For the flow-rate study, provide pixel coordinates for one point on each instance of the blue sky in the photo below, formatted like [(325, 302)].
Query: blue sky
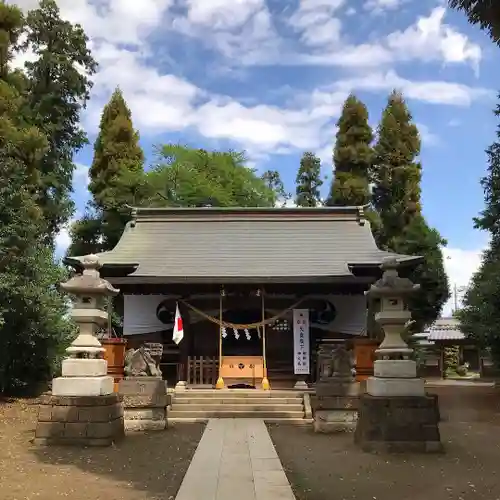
[(270, 77)]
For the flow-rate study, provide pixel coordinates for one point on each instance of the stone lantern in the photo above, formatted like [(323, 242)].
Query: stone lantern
[(395, 414), (83, 409), (395, 373), (84, 372)]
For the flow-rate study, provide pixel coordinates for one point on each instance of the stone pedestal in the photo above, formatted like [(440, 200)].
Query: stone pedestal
[(395, 414), (398, 424), (336, 406), (79, 420), (145, 403), (82, 409)]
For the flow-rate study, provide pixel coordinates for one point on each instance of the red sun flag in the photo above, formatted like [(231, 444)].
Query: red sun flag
[(178, 328)]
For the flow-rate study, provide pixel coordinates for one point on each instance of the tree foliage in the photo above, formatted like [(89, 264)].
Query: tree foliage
[(33, 324), (396, 199), (480, 315), (352, 156), (273, 181), (58, 87), (486, 13), (190, 177), (115, 174), (308, 181)]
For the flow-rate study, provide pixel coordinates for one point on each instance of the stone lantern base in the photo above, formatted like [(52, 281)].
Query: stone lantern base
[(398, 424), (80, 420)]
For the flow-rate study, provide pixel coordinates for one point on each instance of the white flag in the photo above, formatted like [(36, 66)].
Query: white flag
[(178, 328)]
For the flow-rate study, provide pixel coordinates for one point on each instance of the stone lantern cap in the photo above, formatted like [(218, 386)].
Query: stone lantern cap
[(391, 284), (90, 281)]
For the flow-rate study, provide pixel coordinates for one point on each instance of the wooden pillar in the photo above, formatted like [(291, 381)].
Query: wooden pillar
[(265, 381), (220, 381)]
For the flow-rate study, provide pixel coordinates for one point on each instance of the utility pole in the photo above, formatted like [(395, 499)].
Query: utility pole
[(456, 291)]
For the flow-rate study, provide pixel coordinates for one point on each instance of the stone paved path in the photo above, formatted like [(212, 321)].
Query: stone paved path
[(235, 460)]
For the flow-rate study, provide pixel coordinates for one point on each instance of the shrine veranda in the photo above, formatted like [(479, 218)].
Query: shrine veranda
[(259, 289)]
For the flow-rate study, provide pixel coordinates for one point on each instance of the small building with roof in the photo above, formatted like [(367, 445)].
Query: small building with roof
[(238, 275), (445, 333)]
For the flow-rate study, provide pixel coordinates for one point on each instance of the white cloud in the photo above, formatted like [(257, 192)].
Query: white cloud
[(427, 137), (378, 6), (315, 20), (433, 92), (81, 176), (430, 39), (460, 265), (222, 14)]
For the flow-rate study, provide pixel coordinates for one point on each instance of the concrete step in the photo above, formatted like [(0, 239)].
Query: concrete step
[(213, 406), (237, 393), (283, 421), (176, 414), (236, 401)]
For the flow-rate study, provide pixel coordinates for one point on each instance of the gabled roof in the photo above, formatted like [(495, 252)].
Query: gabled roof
[(442, 329), (245, 244)]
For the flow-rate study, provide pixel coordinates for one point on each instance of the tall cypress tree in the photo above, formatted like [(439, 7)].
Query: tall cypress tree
[(480, 315), (33, 323), (396, 198), (58, 88), (116, 167), (352, 156), (308, 181), (396, 171)]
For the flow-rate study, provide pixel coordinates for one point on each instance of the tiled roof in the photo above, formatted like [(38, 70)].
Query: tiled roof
[(445, 334), (442, 329), (199, 244)]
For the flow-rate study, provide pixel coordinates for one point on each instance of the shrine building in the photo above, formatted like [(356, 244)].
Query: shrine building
[(259, 290)]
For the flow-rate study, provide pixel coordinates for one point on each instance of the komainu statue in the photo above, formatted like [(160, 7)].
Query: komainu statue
[(145, 361)]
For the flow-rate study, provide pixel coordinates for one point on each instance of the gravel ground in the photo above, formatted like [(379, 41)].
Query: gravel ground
[(330, 467), (143, 466)]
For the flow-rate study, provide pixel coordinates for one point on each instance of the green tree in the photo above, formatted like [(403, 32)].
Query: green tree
[(273, 181), (308, 181), (486, 13), (193, 177), (480, 314), (33, 324), (396, 199), (352, 156), (57, 89), (115, 175), (396, 171)]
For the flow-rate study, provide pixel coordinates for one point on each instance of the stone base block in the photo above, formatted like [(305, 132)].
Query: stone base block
[(335, 387), (398, 424), (330, 421), (84, 367), (395, 368), (301, 385), (151, 386), (145, 425), (82, 386), (79, 420), (387, 387), (145, 401)]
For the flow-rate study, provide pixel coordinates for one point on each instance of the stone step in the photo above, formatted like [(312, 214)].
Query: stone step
[(175, 414), (237, 393), (237, 407), (283, 421), (235, 401)]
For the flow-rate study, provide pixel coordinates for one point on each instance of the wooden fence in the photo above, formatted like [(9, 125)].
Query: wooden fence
[(202, 370)]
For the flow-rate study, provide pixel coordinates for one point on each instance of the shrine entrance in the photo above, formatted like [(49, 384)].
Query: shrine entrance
[(242, 361)]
